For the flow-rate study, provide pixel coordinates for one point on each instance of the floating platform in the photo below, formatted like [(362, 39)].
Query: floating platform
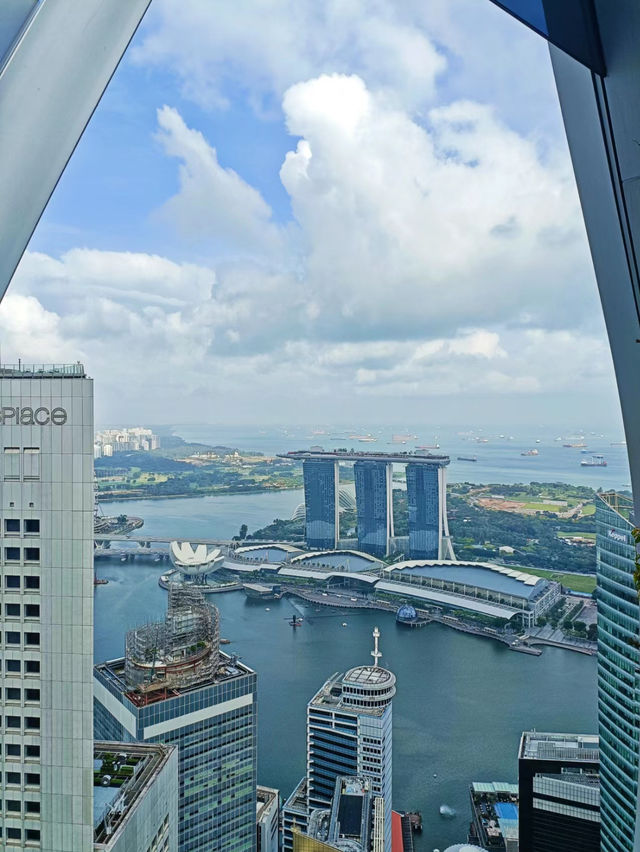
[(258, 591)]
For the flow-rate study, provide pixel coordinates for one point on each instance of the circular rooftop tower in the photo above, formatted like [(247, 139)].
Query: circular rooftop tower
[(368, 687)]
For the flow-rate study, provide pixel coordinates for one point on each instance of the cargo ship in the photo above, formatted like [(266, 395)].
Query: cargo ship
[(594, 461), (468, 458), (574, 445)]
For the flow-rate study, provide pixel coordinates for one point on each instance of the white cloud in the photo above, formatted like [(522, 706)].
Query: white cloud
[(213, 204), (263, 46), (424, 230), (434, 249)]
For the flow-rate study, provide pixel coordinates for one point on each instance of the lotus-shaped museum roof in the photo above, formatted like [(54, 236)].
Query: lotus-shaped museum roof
[(195, 560)]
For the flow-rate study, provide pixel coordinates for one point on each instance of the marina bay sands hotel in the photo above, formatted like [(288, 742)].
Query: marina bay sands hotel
[(373, 473)]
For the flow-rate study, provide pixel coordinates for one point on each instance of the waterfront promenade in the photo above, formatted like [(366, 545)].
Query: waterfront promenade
[(359, 602)]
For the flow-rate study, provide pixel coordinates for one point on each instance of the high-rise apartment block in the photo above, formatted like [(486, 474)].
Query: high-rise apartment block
[(136, 438), (46, 446), (559, 793), (373, 474), (349, 732), (175, 686), (618, 665)]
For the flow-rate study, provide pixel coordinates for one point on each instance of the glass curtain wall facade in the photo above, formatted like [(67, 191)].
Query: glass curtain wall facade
[(321, 503), (214, 727), (618, 667), (423, 500), (372, 504)]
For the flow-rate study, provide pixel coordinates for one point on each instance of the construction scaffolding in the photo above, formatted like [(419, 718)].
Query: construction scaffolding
[(178, 652)]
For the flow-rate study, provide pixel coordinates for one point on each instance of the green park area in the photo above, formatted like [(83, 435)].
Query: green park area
[(576, 582), (179, 469)]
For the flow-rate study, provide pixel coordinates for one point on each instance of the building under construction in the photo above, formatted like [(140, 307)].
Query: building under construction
[(169, 655), (175, 686)]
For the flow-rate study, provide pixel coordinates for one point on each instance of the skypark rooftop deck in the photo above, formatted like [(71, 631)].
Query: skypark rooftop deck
[(361, 455)]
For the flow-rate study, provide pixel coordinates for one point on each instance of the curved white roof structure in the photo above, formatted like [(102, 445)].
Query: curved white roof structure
[(449, 599), (306, 574), (314, 555), (286, 548), (195, 561)]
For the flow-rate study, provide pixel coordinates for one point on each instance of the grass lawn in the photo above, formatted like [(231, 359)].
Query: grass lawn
[(589, 509), (577, 582), (579, 533), (545, 507)]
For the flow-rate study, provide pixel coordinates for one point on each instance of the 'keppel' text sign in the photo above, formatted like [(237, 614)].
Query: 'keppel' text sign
[(10, 416), (616, 536)]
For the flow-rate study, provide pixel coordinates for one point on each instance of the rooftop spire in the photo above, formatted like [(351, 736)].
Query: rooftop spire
[(376, 654)]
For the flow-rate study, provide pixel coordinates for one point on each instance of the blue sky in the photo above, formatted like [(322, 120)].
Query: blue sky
[(286, 212)]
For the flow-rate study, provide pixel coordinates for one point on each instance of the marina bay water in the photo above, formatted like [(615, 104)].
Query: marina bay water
[(462, 701)]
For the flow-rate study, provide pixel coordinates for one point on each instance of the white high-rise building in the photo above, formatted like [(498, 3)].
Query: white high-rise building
[(349, 732), (46, 446)]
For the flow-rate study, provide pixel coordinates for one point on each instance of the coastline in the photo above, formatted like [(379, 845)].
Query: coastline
[(213, 493)]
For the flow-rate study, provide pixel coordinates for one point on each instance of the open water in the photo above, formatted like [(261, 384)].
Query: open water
[(461, 705), (499, 459)]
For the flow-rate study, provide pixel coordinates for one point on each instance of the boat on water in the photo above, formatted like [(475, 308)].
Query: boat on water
[(427, 446), (618, 444), (402, 439), (468, 458), (594, 461), (530, 453), (573, 446)]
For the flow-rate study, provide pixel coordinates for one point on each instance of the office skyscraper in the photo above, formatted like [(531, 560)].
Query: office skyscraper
[(618, 663), (175, 686), (321, 482), (374, 493), (349, 732), (46, 430), (559, 793)]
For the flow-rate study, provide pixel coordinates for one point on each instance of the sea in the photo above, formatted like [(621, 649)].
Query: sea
[(499, 455), (462, 702)]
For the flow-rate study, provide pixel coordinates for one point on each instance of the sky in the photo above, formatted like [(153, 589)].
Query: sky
[(355, 211)]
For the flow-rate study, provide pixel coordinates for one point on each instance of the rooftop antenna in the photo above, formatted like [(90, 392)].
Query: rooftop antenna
[(376, 654)]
